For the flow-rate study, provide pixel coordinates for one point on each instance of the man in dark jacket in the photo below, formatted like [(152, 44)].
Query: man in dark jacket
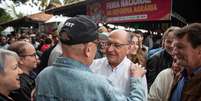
[(28, 61)]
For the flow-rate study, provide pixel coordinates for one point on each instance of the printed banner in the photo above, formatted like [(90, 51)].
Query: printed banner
[(130, 10)]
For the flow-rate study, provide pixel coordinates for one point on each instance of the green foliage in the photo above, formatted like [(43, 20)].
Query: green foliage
[(55, 1), (44, 3), (70, 1), (4, 17)]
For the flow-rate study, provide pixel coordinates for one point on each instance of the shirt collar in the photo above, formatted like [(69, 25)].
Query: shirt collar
[(196, 70), (71, 63), (119, 66)]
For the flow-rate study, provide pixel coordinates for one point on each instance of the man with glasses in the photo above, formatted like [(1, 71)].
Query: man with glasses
[(28, 61), (70, 79), (116, 66)]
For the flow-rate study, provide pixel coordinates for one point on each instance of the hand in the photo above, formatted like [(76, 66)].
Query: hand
[(136, 70)]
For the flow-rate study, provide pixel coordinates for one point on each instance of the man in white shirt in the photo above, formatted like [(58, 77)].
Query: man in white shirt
[(116, 65)]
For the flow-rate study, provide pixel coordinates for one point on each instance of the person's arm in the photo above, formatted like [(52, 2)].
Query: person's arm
[(138, 91), (155, 90), (161, 87)]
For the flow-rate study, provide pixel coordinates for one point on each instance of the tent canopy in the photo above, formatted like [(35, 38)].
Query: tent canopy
[(57, 18)]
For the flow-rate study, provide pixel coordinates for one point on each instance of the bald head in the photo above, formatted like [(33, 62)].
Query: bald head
[(118, 47), (121, 35), (20, 47)]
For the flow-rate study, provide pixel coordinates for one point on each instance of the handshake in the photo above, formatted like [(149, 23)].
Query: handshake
[(136, 70)]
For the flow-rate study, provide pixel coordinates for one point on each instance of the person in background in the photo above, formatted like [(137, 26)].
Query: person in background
[(3, 42), (27, 62), (103, 37), (70, 79), (141, 40), (136, 54), (51, 54), (102, 29), (161, 88), (163, 59), (116, 66), (9, 74), (47, 44), (187, 48), (101, 49)]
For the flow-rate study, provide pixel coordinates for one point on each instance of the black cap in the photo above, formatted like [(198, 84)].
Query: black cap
[(77, 30)]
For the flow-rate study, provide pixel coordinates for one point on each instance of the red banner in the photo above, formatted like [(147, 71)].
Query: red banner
[(130, 10)]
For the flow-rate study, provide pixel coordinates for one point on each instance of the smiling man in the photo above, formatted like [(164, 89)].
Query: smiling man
[(187, 48), (116, 66)]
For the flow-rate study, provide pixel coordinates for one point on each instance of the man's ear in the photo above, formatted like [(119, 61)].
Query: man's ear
[(20, 62), (87, 49), (199, 50)]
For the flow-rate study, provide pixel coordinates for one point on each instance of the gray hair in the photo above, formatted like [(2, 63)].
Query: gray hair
[(166, 33), (3, 55), (170, 29), (19, 47)]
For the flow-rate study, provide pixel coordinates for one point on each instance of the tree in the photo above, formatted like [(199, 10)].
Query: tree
[(70, 1), (4, 17), (11, 8)]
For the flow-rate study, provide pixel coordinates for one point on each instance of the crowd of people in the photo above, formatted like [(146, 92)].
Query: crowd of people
[(85, 62)]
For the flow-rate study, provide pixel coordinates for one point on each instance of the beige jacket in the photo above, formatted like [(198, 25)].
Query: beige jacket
[(161, 88)]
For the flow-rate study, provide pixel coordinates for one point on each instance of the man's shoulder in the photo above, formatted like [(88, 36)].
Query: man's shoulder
[(166, 73), (46, 71), (156, 55), (98, 62)]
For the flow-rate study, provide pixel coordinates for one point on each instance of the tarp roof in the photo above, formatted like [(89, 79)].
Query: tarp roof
[(30, 20)]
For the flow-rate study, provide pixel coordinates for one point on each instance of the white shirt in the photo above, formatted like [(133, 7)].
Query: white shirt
[(119, 76), (55, 53)]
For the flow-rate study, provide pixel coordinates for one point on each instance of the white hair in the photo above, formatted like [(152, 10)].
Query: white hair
[(3, 54)]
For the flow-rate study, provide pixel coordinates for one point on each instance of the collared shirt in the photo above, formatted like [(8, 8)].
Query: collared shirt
[(70, 80), (119, 76), (196, 70), (176, 96), (177, 93)]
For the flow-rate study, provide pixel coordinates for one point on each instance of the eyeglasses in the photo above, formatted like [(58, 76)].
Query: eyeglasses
[(31, 55), (116, 45)]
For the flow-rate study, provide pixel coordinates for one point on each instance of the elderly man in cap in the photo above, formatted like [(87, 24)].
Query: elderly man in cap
[(70, 79)]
